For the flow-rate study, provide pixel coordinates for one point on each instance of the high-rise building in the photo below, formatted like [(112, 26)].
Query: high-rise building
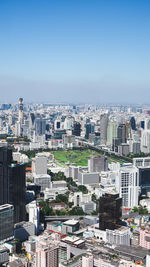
[(103, 128), (111, 132), (5, 161), (47, 255), (40, 126), (87, 130), (121, 133), (16, 174), (76, 129), (110, 211), (133, 123), (88, 260), (6, 223), (34, 215), (98, 164), (39, 164), (127, 184), (20, 109)]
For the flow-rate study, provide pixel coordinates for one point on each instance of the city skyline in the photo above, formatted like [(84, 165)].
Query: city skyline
[(69, 51)]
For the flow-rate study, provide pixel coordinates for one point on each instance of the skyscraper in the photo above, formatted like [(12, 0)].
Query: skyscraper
[(76, 129), (12, 184), (5, 161), (103, 128), (121, 133), (133, 123), (127, 185), (20, 109), (110, 211), (16, 174), (6, 223), (40, 126)]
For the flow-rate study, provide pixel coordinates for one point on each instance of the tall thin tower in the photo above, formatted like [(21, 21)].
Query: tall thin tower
[(20, 109)]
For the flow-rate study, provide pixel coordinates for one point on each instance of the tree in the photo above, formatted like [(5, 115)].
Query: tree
[(83, 189), (94, 199), (135, 209), (76, 211)]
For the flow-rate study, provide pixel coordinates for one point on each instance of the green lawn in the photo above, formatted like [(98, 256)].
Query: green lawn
[(77, 157)]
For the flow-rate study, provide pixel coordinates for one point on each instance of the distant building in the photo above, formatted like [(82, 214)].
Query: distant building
[(103, 128), (39, 164), (40, 126), (123, 149), (76, 129), (85, 177), (43, 180), (97, 164)]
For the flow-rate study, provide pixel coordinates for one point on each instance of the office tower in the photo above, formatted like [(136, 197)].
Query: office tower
[(39, 164), (40, 126), (20, 118), (16, 176), (34, 214), (98, 164), (111, 132), (6, 222), (5, 161), (87, 130), (133, 123), (142, 124), (57, 125), (103, 128), (127, 184), (144, 180), (145, 141), (110, 211), (128, 130), (121, 133), (76, 129), (31, 120), (68, 123), (47, 255)]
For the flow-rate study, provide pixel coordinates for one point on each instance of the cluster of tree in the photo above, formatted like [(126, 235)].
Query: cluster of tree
[(140, 155), (70, 183), (141, 210), (46, 210)]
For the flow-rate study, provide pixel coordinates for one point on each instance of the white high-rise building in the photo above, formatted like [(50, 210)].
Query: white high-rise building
[(145, 141), (127, 185), (34, 215), (111, 132), (39, 164), (87, 260)]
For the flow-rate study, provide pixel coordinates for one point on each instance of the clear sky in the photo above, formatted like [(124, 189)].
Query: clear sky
[(75, 51)]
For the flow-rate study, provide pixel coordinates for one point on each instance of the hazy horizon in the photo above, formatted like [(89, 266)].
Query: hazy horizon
[(75, 51)]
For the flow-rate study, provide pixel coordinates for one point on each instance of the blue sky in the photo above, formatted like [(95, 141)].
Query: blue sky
[(94, 51)]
